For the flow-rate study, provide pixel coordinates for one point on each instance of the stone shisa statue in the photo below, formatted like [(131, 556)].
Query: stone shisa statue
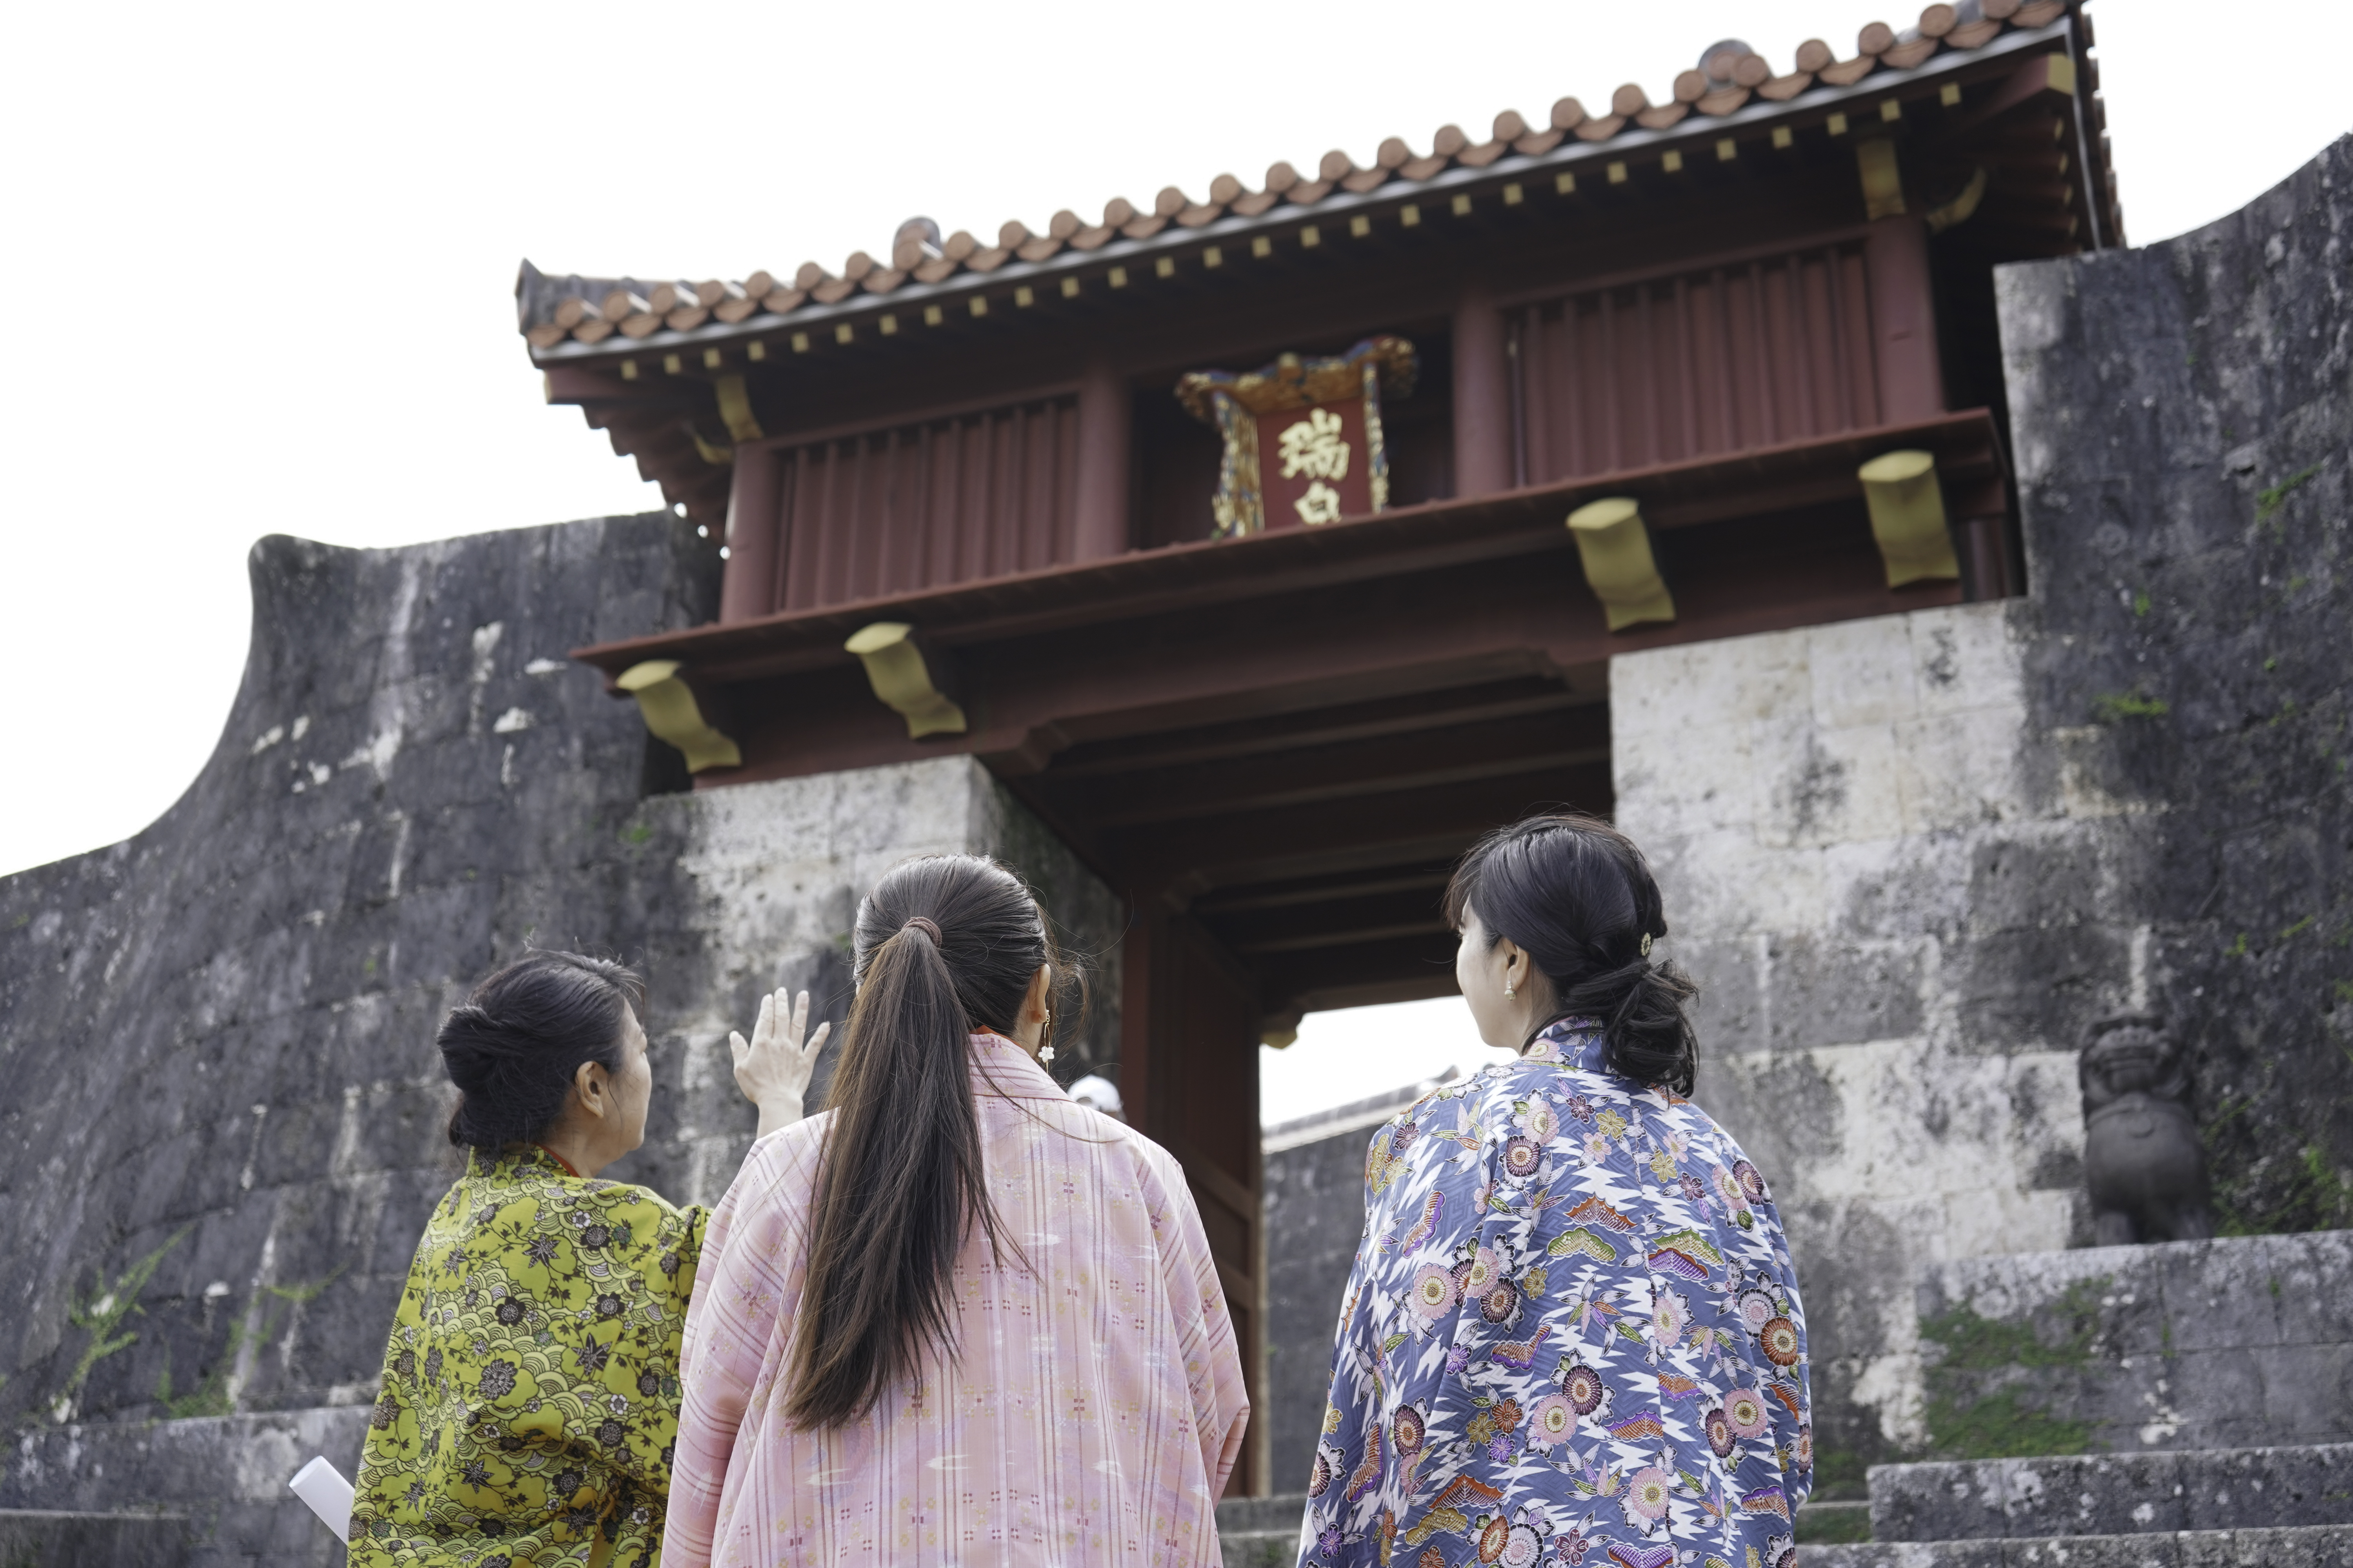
[(2142, 1158)]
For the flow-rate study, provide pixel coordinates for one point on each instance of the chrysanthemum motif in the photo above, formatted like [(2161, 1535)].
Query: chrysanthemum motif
[(1541, 1120), (1728, 1188), (1409, 1429), (1522, 1548), (1719, 1431), (1779, 1339), (1751, 1181), (1553, 1422), (649, 1385), (1485, 1267), (1781, 1552), (1493, 1537), (567, 1482), (1805, 1446), (498, 1379), (595, 1237), (509, 1312), (1501, 1305), (608, 1306), (1328, 1464), (1648, 1492), (610, 1434), (1745, 1408), (1521, 1158), (1432, 1293), (1585, 1389), (1756, 1307), (1670, 1317)]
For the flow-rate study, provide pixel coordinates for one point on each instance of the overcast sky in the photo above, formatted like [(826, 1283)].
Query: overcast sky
[(260, 277)]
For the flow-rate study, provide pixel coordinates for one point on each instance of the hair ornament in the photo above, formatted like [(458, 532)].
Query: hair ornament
[(923, 923), (1646, 944)]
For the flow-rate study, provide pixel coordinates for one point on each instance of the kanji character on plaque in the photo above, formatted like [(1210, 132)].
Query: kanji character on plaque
[(1309, 416)]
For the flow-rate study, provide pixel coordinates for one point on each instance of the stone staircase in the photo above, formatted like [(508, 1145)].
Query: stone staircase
[(38, 1538), (2213, 1507), (2195, 1508)]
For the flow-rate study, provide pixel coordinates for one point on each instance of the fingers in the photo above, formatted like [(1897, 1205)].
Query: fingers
[(736, 1044), (818, 1040)]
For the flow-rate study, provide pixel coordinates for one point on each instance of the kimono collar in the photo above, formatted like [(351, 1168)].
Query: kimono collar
[(1004, 1068), (1574, 1042)]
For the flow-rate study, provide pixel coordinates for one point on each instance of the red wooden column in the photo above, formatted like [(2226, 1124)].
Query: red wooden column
[(747, 588), (1482, 396), (1104, 416), (1904, 321)]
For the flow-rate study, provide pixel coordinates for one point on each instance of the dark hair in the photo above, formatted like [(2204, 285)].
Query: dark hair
[(945, 947), (513, 1047), (1577, 895)]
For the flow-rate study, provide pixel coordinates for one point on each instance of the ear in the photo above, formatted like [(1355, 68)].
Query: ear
[(591, 1086), (1041, 986)]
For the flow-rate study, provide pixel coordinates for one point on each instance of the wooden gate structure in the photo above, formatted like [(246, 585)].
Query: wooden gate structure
[(966, 461)]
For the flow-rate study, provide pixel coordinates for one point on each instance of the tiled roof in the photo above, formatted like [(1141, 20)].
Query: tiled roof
[(602, 315)]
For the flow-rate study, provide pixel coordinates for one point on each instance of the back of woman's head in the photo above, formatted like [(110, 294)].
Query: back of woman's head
[(1579, 897), (515, 1045), (945, 947)]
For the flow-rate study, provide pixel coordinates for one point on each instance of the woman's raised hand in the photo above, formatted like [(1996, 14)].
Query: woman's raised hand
[(774, 1070)]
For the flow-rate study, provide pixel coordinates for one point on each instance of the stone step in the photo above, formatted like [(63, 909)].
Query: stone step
[(1260, 1531), (1828, 1523), (53, 1538), (2114, 1494), (2307, 1546)]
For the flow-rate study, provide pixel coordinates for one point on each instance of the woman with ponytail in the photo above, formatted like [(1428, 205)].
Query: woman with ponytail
[(530, 1397), (1572, 1331), (956, 1318)]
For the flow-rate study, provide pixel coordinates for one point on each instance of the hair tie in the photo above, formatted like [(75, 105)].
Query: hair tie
[(1646, 944), (921, 923)]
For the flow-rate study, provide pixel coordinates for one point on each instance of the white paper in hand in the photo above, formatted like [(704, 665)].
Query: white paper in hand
[(323, 1486)]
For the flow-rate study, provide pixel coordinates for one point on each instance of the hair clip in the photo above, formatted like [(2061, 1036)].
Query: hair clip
[(1646, 944)]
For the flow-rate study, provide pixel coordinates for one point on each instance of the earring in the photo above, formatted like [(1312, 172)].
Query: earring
[(1507, 990), (1045, 1056)]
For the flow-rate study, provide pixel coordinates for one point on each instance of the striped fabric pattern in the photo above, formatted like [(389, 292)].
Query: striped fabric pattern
[(1091, 1415)]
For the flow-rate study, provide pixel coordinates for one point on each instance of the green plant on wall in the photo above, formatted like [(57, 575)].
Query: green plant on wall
[(211, 1397), (1964, 1420), (101, 1314)]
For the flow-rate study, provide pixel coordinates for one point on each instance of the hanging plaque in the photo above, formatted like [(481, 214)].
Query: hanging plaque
[(1303, 437)]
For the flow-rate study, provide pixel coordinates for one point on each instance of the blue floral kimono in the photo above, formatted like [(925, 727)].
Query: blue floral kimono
[(1572, 1335)]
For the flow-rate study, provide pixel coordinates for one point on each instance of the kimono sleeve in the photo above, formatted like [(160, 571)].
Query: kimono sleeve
[(619, 1344), (1204, 1330), (752, 1276)]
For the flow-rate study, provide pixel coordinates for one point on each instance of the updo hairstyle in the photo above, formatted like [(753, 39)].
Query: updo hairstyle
[(515, 1045), (1579, 897)]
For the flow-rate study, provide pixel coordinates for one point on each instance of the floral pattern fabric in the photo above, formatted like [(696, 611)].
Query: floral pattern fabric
[(1091, 1415), (528, 1411), (1572, 1336)]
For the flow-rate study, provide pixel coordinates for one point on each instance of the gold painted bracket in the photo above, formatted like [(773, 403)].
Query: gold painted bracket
[(673, 714), (1615, 544), (1883, 182), (1908, 517), (902, 679)]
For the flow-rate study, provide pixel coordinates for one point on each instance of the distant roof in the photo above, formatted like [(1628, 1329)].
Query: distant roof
[(567, 318)]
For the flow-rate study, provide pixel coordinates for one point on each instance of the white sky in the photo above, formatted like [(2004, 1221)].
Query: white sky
[(263, 255), (1366, 1051)]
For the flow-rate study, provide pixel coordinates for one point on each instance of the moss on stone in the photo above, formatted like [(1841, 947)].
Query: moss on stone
[(1965, 1422), (1835, 1525)]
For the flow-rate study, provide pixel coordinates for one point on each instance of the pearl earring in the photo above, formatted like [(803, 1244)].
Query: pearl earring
[(1507, 990)]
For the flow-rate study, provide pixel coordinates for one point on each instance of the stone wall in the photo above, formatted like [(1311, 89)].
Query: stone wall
[(1911, 858), (219, 1035)]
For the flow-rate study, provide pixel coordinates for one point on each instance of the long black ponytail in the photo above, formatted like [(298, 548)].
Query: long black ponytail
[(946, 946), (1577, 895)]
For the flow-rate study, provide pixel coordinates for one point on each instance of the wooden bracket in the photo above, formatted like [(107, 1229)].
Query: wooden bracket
[(674, 712), (735, 409), (1883, 182), (1908, 517), (907, 677), (1615, 546)]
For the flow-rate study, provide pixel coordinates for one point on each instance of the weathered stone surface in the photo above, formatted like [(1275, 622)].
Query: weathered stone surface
[(225, 1476), (1912, 858), (1315, 1195), (220, 1033), (38, 1538), (1261, 1532), (2312, 1546), (2242, 1341), (2115, 1494)]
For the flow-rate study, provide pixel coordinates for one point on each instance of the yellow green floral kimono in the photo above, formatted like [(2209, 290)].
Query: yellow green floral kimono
[(530, 1404)]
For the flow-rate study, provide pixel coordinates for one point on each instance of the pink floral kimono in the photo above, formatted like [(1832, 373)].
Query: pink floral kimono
[(1091, 1412)]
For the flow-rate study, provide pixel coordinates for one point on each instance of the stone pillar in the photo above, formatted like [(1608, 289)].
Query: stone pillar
[(1104, 416), (1483, 395), (753, 524)]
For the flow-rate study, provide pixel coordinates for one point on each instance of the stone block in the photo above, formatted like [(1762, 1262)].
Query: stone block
[(38, 1538)]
